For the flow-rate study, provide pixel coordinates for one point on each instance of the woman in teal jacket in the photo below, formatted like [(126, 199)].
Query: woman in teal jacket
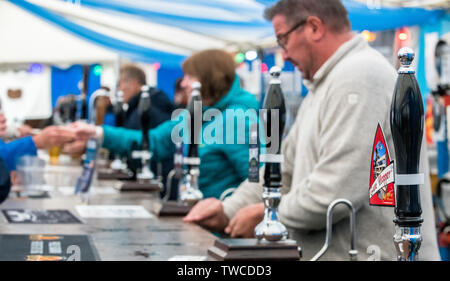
[(224, 163)]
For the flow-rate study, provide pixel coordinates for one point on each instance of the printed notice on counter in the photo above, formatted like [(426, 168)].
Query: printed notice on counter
[(113, 211), (106, 190), (47, 247), (40, 216)]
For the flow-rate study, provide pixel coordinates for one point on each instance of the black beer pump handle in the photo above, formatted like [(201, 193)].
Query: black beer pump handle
[(194, 130), (118, 110), (143, 111), (407, 125), (274, 104)]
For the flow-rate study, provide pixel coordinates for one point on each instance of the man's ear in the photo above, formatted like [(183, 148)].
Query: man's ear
[(317, 28)]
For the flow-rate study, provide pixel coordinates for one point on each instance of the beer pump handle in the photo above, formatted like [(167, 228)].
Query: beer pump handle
[(271, 228), (143, 111), (407, 125), (274, 105), (193, 130), (119, 113)]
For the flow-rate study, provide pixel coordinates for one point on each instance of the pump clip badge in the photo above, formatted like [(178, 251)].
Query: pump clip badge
[(381, 189)]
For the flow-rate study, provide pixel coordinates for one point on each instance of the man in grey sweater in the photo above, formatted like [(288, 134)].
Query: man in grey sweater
[(327, 152)]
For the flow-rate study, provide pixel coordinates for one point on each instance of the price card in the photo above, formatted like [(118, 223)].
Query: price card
[(113, 211)]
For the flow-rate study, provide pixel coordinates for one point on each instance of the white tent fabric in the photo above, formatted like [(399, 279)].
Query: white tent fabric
[(26, 38), (166, 31), (29, 38), (152, 35), (35, 100)]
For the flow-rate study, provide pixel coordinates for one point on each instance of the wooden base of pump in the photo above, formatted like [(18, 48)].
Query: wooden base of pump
[(110, 174), (254, 250), (171, 208), (141, 185)]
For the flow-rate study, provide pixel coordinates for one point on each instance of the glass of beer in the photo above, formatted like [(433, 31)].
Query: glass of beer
[(54, 153)]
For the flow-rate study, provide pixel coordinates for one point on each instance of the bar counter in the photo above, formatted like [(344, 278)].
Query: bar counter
[(156, 238)]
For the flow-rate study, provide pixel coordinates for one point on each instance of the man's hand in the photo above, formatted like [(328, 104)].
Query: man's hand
[(83, 131), (244, 222), (209, 214), (2, 125), (53, 136), (25, 130), (77, 147), (15, 179)]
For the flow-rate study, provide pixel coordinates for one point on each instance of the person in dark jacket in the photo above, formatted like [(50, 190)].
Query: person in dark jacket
[(131, 80)]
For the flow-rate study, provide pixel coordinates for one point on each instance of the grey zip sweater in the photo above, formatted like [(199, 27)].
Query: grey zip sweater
[(327, 156)]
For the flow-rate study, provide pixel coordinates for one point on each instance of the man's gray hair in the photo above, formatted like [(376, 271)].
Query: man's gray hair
[(331, 12), (134, 72)]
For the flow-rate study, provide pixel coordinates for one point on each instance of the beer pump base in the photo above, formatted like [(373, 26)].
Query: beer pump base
[(142, 185), (171, 208), (252, 249), (110, 174)]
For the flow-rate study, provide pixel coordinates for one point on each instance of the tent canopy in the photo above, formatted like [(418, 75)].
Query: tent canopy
[(155, 30), (27, 38)]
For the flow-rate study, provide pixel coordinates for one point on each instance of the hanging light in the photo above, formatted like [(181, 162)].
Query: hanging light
[(403, 34), (264, 68), (239, 58), (251, 55), (98, 70), (368, 36), (156, 66), (36, 68)]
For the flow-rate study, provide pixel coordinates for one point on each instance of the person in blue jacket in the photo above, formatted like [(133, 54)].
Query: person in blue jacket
[(10, 152), (224, 164)]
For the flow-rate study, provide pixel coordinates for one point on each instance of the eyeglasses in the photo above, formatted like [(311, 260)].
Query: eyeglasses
[(282, 39)]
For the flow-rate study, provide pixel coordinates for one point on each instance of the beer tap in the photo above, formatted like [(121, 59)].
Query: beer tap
[(442, 57), (270, 228), (352, 252), (119, 112), (92, 108), (81, 111), (440, 93), (119, 115), (84, 181), (144, 178), (144, 153), (189, 192), (407, 124), (271, 236), (118, 109), (177, 171)]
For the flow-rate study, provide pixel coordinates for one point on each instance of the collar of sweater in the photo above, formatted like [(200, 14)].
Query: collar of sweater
[(340, 53)]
